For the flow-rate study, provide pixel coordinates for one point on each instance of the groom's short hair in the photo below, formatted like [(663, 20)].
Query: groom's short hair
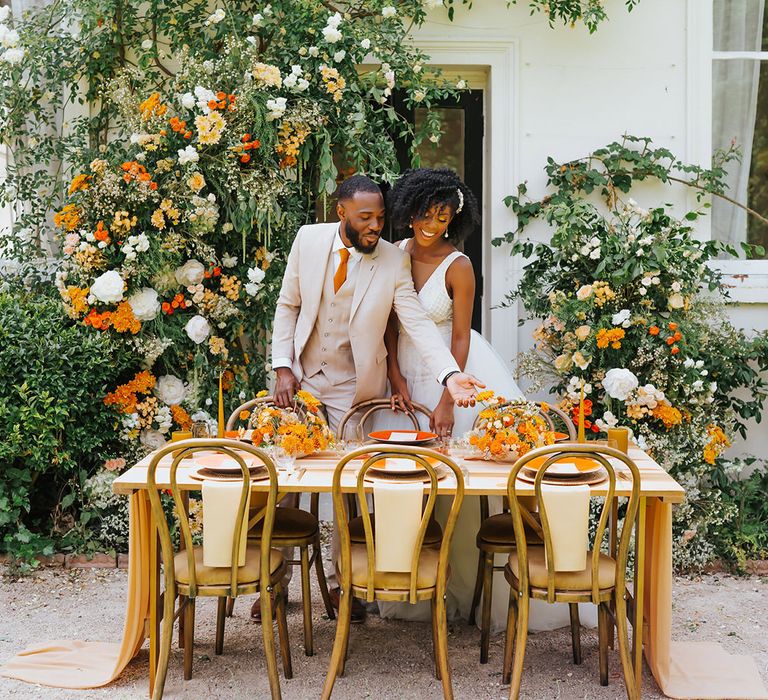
[(357, 183)]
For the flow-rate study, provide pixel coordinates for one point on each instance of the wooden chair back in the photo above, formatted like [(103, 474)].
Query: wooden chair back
[(247, 406), (372, 455), (372, 406), (238, 451), (562, 453), (565, 423)]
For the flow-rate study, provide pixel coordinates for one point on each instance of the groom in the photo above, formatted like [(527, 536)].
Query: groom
[(340, 284)]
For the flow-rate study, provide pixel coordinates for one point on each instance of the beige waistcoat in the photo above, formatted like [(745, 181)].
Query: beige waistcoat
[(328, 349)]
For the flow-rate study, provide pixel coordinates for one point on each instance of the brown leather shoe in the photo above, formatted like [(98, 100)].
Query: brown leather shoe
[(358, 609), (256, 607)]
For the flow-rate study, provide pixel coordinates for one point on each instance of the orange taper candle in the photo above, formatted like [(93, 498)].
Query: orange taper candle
[(581, 414)]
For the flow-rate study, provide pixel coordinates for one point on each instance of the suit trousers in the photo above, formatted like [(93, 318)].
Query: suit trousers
[(337, 400)]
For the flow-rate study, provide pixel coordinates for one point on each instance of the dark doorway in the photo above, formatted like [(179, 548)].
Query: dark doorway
[(460, 148)]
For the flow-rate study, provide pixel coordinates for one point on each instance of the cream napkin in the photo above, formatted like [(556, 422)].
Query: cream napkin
[(397, 513), (220, 501), (568, 515)]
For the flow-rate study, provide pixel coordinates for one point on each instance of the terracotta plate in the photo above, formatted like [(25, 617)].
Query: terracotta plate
[(402, 437), (584, 465)]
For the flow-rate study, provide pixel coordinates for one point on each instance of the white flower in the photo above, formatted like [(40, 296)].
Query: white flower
[(676, 301), (584, 292), (108, 288), (313, 51), (216, 17), (619, 383), (646, 281), (145, 304), (621, 318), (188, 155), (698, 385), (164, 419), (434, 138), (432, 4), (190, 273), (152, 439), (188, 100), (258, 18), (643, 291), (610, 419), (417, 67), (339, 56), (365, 44), (689, 363), (5, 12), (255, 280), (713, 387), (276, 108), (268, 9), (418, 95), (595, 254), (699, 364), (334, 20), (229, 260), (147, 44), (170, 390), (290, 81), (302, 85), (204, 96), (198, 329), (9, 38), (331, 35), (676, 286), (388, 11), (461, 85), (12, 56)]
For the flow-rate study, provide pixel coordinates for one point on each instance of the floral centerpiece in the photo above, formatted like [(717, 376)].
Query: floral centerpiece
[(298, 431), (506, 430)]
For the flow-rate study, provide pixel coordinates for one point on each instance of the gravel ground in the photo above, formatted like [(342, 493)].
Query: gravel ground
[(388, 659)]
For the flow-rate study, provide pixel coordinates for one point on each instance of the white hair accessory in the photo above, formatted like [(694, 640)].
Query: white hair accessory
[(461, 200)]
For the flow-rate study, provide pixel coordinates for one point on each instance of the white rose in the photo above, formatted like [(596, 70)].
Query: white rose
[(170, 390), (188, 100), (145, 304), (621, 318), (584, 292), (388, 11), (12, 56), (619, 383), (190, 273), (339, 56), (313, 51), (153, 439), (258, 18), (418, 95), (676, 301), (108, 288), (198, 329), (461, 85), (147, 44), (366, 44), (256, 275), (216, 17), (5, 12), (331, 35), (334, 20)]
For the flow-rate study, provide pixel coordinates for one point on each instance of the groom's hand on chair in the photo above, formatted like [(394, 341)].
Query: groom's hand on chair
[(463, 387), (285, 387)]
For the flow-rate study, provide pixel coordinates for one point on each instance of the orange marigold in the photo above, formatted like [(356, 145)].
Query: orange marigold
[(181, 417), (654, 330), (123, 319), (79, 182), (125, 396), (68, 218)]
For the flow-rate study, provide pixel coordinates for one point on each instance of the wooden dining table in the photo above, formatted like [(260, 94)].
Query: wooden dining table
[(314, 474)]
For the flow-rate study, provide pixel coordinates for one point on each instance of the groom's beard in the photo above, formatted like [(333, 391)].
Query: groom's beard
[(354, 236)]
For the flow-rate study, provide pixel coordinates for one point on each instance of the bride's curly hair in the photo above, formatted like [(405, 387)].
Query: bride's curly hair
[(417, 191)]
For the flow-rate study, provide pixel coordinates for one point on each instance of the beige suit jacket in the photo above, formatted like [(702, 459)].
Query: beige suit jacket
[(383, 282)]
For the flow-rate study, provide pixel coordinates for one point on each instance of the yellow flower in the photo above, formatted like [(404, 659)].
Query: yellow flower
[(157, 219), (79, 182), (209, 127), (196, 182), (485, 395), (262, 393)]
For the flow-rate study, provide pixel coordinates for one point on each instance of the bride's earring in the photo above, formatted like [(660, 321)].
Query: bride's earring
[(445, 235), (410, 225)]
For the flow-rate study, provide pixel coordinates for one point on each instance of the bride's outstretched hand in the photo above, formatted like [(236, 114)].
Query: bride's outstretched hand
[(463, 388)]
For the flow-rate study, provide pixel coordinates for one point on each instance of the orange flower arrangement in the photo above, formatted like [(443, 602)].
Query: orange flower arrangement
[(612, 337), (152, 107), (79, 182), (125, 396), (507, 430), (667, 414), (718, 441), (68, 218), (181, 417), (121, 319)]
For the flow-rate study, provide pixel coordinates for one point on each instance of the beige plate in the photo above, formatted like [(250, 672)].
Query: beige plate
[(589, 478), (204, 473)]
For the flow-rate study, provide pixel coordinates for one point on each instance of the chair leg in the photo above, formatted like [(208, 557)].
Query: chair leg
[(434, 637), (339, 644), (442, 648), (521, 637), (182, 600), (509, 637), (603, 625), (189, 637), (282, 631), (270, 654), (626, 661), (221, 613), (478, 587), (230, 606), (321, 580), (485, 623), (164, 653), (306, 597), (575, 632)]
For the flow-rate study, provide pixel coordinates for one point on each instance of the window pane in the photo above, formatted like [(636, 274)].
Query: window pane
[(449, 152), (739, 25), (740, 115)]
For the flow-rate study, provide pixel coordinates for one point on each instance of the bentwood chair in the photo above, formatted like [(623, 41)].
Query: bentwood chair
[(496, 536), (428, 573), (186, 575), (530, 569), (294, 528), (368, 409)]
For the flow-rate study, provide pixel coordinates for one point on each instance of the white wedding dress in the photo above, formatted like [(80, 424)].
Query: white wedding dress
[(487, 365)]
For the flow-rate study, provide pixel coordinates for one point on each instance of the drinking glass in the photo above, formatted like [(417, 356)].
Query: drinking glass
[(284, 461)]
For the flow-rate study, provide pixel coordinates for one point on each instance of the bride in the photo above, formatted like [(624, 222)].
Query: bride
[(438, 211)]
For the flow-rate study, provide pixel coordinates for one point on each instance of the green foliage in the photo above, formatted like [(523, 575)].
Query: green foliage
[(745, 536), (629, 291), (54, 429)]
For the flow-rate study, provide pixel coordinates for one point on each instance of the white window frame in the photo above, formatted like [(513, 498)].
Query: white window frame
[(746, 279)]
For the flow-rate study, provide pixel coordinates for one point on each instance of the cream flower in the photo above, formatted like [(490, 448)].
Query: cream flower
[(563, 363), (145, 304), (153, 439), (584, 292), (619, 383), (198, 329), (676, 301), (580, 361), (188, 155), (190, 273), (582, 332), (170, 390), (108, 288)]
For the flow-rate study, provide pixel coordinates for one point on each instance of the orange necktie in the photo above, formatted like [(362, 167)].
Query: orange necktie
[(341, 271)]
